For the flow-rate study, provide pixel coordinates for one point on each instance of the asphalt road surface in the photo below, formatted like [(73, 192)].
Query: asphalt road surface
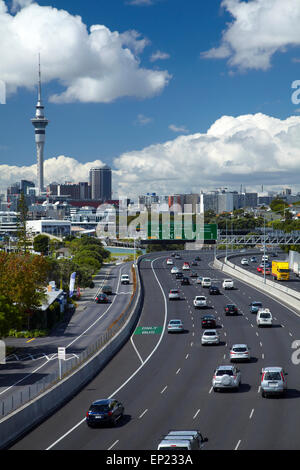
[(165, 380)]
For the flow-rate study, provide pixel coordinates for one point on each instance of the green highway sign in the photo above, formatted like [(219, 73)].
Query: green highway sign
[(148, 330), (176, 231)]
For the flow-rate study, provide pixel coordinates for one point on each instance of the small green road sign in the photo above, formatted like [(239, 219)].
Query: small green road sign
[(148, 330)]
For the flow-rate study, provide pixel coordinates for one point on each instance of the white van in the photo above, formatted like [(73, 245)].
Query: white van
[(227, 284), (206, 282), (182, 440), (264, 317)]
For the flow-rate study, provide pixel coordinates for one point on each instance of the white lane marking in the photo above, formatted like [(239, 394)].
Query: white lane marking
[(187, 356), (164, 389), (137, 370), (256, 334), (144, 412), (210, 390), (116, 442), (134, 347), (262, 356), (260, 344), (290, 334), (195, 416), (282, 326), (251, 414), (258, 389), (237, 446), (192, 344), (177, 372)]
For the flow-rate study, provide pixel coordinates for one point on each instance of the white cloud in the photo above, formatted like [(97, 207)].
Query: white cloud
[(143, 120), (178, 129), (251, 150), (140, 2), (159, 55), (91, 65), (259, 29)]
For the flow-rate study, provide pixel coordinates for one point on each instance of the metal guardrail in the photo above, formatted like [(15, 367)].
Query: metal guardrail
[(20, 398)]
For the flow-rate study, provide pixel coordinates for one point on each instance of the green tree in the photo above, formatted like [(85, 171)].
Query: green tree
[(10, 317), (41, 244)]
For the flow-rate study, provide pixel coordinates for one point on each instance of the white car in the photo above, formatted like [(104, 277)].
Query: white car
[(227, 284), (226, 377), (264, 258), (125, 279), (174, 270), (200, 301), (185, 267), (210, 337), (244, 262), (175, 326), (170, 261), (239, 352), (206, 282), (174, 294), (264, 317)]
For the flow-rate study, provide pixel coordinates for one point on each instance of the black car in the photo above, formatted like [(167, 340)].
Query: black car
[(178, 275), (194, 274), (208, 321), (101, 299), (185, 281), (231, 309), (214, 290), (194, 263), (197, 258), (104, 412), (106, 289), (172, 254)]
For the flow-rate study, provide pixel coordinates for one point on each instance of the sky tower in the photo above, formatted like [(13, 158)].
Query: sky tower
[(40, 123)]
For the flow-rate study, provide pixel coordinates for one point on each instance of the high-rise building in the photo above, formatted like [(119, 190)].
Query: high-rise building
[(40, 123), (100, 182)]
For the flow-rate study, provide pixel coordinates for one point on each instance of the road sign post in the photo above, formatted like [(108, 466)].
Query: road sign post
[(61, 354)]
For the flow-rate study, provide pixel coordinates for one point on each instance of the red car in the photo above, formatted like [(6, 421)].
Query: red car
[(259, 269)]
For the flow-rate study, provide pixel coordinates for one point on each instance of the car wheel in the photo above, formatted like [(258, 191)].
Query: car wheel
[(215, 389), (263, 394)]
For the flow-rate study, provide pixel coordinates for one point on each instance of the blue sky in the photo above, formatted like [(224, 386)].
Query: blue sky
[(197, 90)]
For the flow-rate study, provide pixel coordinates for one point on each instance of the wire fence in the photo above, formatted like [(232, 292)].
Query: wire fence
[(19, 398)]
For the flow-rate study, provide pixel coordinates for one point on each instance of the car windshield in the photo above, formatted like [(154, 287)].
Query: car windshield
[(224, 371), (99, 408), (174, 291), (272, 376)]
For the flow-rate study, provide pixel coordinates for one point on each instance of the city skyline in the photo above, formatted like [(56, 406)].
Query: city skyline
[(215, 117)]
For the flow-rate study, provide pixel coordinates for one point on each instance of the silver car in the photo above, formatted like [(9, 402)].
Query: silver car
[(174, 294), (210, 337), (175, 326), (273, 381), (239, 352), (226, 377)]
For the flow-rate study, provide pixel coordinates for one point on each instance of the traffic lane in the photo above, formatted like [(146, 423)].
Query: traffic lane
[(140, 385), (83, 330)]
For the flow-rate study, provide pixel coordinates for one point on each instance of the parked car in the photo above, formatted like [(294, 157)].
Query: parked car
[(104, 412), (227, 284), (273, 381), (208, 322), (255, 306), (264, 317), (231, 309), (175, 326), (226, 377), (200, 301), (174, 294), (214, 290), (210, 337), (101, 299), (239, 352)]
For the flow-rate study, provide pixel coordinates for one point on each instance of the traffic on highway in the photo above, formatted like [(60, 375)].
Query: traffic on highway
[(190, 365)]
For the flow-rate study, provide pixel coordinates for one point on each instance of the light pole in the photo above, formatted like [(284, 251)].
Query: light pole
[(264, 248), (226, 237)]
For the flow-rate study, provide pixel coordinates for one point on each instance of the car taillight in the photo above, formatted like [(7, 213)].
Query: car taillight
[(87, 413), (226, 309), (262, 377), (109, 413), (282, 376)]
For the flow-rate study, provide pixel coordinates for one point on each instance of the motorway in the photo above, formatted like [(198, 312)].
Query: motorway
[(38, 358), (164, 381)]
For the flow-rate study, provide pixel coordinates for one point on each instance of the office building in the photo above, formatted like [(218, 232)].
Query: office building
[(101, 183)]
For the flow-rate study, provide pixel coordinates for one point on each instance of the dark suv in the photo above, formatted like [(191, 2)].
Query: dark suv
[(231, 309), (214, 290), (104, 412), (178, 276), (101, 299), (185, 281), (208, 321)]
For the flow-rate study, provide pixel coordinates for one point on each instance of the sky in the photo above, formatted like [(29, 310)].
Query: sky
[(175, 95)]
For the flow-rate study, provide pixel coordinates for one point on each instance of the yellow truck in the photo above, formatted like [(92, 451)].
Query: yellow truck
[(280, 270)]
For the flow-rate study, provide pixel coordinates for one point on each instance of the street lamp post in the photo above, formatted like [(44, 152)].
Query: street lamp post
[(264, 248)]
